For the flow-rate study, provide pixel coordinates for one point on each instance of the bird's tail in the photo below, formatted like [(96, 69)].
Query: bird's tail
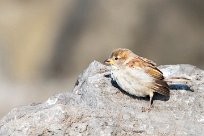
[(177, 83), (177, 80)]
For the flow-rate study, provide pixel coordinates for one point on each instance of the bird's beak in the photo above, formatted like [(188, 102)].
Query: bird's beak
[(109, 61)]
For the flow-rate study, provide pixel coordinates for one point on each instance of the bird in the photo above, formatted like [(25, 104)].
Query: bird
[(137, 75)]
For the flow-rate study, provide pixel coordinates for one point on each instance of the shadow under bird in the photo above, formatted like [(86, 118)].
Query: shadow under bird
[(136, 75)]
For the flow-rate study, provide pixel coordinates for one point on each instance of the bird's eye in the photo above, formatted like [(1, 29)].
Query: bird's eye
[(116, 58)]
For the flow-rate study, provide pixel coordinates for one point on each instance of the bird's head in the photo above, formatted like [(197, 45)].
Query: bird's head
[(119, 57)]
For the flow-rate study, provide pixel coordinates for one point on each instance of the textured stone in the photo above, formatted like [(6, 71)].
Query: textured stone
[(98, 107)]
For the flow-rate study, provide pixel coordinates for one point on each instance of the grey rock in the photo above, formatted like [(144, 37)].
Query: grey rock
[(97, 107)]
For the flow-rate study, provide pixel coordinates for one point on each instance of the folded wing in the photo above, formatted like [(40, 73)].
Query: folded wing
[(159, 86)]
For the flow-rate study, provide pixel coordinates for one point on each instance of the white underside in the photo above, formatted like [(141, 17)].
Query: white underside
[(132, 80)]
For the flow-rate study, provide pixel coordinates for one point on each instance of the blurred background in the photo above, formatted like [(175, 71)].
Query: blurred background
[(45, 44)]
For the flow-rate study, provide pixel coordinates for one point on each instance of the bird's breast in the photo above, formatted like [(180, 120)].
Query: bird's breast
[(132, 80)]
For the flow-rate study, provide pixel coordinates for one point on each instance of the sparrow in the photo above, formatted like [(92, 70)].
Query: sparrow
[(137, 75)]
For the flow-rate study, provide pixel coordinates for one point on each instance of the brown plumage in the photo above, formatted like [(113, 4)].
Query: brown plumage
[(136, 75)]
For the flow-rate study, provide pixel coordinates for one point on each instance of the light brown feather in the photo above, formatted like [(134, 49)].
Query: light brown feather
[(148, 66), (160, 86), (154, 72)]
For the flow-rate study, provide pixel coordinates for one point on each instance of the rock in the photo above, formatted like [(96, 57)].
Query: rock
[(97, 107)]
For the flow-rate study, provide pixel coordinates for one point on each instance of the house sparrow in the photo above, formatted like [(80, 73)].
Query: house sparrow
[(137, 75)]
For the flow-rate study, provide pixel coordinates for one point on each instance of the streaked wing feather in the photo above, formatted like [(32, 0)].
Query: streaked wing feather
[(162, 83), (148, 65), (148, 61), (154, 72), (161, 89), (160, 86)]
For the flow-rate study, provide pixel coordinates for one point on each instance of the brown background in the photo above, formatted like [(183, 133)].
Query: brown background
[(45, 44)]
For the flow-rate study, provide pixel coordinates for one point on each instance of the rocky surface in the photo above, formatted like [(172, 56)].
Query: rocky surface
[(97, 107)]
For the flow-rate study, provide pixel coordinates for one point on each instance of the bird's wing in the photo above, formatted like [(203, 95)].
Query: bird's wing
[(161, 87), (148, 61), (148, 65), (150, 68)]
